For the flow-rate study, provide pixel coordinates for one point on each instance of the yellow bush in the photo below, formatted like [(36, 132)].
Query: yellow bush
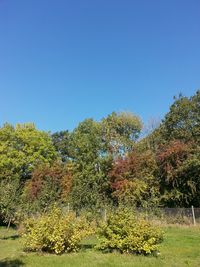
[(55, 232), (124, 233)]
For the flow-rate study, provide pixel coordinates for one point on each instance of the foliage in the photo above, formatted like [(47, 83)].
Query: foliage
[(103, 163), (93, 146), (48, 184), (183, 119), (61, 142), (126, 234), (179, 165), (130, 193), (133, 179), (22, 148), (55, 232), (90, 182), (120, 131), (9, 200)]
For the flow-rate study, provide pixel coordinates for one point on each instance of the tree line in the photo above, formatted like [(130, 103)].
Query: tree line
[(103, 163)]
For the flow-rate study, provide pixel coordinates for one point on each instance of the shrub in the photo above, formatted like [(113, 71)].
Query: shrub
[(122, 232), (55, 233)]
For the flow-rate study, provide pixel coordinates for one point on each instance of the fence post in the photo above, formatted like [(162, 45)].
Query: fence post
[(68, 209), (193, 215), (105, 215)]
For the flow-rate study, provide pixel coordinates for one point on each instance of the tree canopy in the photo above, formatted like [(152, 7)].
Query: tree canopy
[(106, 162)]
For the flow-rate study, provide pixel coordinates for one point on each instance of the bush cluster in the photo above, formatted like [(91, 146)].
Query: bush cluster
[(126, 234), (55, 232)]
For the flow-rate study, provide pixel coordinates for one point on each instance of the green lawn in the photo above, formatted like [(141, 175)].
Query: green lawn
[(181, 247)]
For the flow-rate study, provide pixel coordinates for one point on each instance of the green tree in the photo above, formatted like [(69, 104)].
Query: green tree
[(88, 152), (9, 199), (61, 142), (21, 149), (120, 131), (93, 147), (179, 167), (183, 119)]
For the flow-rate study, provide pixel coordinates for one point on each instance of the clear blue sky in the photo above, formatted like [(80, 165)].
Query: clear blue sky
[(62, 61)]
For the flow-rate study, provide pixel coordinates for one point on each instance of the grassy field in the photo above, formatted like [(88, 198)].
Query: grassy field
[(181, 247)]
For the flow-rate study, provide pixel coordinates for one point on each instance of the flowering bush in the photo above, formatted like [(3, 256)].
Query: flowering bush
[(55, 232), (122, 232)]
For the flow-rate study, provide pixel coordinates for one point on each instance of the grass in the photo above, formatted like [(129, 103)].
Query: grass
[(180, 248)]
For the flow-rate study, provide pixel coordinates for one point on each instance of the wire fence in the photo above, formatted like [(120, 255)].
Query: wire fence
[(187, 216), (184, 216)]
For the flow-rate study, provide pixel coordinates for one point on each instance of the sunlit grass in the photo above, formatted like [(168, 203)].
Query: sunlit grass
[(181, 247)]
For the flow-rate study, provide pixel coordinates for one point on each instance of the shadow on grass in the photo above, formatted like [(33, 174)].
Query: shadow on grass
[(85, 247), (11, 263), (12, 237)]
